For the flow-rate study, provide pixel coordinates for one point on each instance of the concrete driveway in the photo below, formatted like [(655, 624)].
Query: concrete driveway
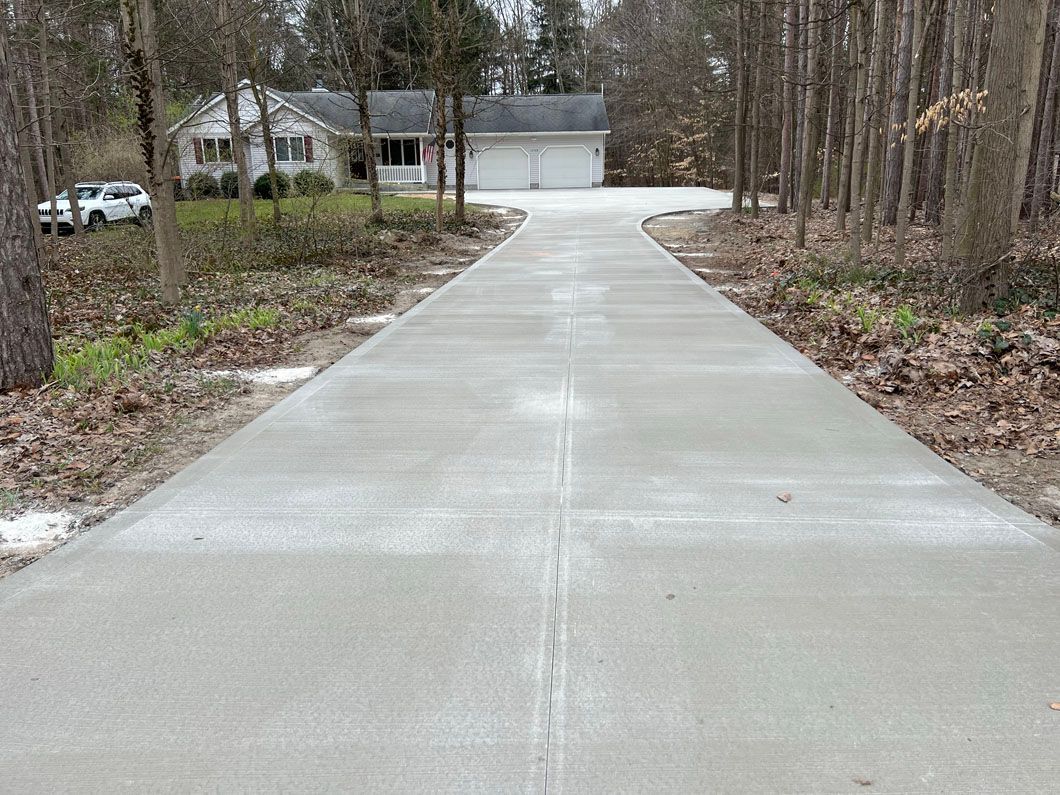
[(528, 538)]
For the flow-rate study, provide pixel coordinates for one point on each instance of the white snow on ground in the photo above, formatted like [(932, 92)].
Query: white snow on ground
[(365, 321), (445, 272), (696, 254), (703, 270), (277, 375), (35, 527), (423, 290)]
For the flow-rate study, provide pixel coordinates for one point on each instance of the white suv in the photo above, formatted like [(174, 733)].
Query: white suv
[(100, 203)]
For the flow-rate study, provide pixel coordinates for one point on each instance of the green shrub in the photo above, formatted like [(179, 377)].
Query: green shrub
[(230, 185), (312, 183), (263, 188), (202, 186)]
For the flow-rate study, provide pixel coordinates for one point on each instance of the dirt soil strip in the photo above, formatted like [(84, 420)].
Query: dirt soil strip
[(270, 371), (998, 423)]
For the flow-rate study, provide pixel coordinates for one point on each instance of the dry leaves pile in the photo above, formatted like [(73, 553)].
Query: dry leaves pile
[(983, 391)]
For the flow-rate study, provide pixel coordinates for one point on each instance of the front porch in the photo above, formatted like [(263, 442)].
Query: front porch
[(398, 161)]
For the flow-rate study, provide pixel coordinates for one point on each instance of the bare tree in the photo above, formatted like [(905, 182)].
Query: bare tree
[(144, 69), (228, 33), (982, 248), (26, 355)]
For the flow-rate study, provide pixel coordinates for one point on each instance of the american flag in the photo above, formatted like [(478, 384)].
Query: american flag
[(428, 153)]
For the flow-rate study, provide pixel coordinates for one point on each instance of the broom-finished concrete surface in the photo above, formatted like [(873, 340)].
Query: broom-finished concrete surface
[(528, 538)]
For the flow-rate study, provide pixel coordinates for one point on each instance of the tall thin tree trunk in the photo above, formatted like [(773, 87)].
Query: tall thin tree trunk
[(756, 108), (809, 125), (1028, 105), (1043, 165), (859, 21), (892, 178), (68, 174), (854, 70), (941, 132), (951, 199), (368, 145), (441, 127), (920, 22), (880, 65), (49, 125), (790, 29), (982, 247), (145, 79), (740, 123), (460, 152), (835, 74), (261, 99), (227, 30), (26, 354)]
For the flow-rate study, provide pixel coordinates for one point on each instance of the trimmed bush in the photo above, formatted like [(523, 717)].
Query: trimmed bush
[(263, 188), (312, 183), (202, 186), (230, 185)]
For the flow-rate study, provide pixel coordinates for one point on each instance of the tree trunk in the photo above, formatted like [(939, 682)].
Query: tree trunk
[(261, 99), (49, 126), (756, 108), (26, 355), (227, 30), (951, 200), (368, 146), (905, 198), (145, 81), (892, 178), (982, 248), (854, 71), (1046, 139), (942, 131), (460, 152), (1032, 72), (441, 125), (835, 74), (739, 123), (880, 64), (859, 21), (68, 175), (790, 28), (809, 126), (25, 72)]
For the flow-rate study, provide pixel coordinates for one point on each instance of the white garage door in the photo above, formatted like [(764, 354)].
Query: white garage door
[(566, 167), (503, 168)]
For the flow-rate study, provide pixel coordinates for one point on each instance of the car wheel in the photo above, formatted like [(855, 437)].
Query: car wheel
[(145, 215), (96, 219)]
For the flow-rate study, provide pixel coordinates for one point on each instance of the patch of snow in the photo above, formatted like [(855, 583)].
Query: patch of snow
[(697, 254), (444, 272), (34, 528), (370, 320), (422, 290), (277, 375), (499, 210), (704, 270)]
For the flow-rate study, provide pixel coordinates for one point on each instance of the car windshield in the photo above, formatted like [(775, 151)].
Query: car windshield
[(84, 192)]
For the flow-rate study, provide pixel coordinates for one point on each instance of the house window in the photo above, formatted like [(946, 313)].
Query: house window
[(400, 152), (217, 150), (289, 150)]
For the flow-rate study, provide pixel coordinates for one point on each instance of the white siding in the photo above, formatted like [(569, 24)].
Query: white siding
[(328, 154), (533, 144)]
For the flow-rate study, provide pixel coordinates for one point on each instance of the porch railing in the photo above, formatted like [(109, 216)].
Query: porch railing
[(400, 173)]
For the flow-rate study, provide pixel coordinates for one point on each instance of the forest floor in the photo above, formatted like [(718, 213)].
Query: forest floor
[(983, 391), (142, 390)]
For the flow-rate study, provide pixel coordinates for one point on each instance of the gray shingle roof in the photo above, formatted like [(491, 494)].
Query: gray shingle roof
[(536, 113), (392, 112), (409, 112)]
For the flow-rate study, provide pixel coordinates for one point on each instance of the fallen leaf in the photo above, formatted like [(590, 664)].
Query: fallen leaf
[(784, 496)]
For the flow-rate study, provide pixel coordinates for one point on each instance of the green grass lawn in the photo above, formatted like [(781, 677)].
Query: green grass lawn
[(191, 213)]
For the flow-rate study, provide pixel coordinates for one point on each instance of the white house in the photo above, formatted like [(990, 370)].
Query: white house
[(537, 141)]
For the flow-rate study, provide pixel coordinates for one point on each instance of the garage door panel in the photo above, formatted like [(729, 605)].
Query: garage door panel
[(503, 168), (566, 167)]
